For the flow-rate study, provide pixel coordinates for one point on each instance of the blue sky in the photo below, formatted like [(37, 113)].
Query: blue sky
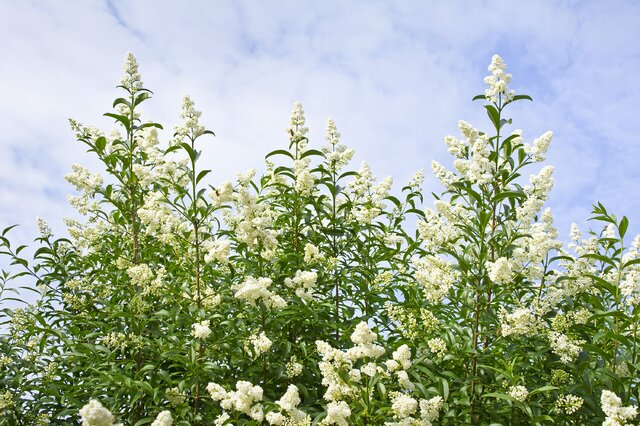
[(395, 76)]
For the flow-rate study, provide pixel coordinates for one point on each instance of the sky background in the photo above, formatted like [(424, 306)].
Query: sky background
[(396, 77)]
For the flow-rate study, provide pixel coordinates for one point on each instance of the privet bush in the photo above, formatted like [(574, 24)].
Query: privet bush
[(298, 296)]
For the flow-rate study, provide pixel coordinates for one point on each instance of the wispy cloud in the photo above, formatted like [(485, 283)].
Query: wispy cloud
[(396, 77)]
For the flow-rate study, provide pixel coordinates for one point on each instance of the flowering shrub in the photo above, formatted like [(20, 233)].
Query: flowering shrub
[(297, 296)]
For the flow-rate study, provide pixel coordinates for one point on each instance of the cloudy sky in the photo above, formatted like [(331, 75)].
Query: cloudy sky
[(396, 76)]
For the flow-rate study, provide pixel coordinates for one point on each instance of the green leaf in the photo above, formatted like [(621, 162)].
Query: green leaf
[(121, 118), (519, 97), (622, 227), (494, 116), (280, 152)]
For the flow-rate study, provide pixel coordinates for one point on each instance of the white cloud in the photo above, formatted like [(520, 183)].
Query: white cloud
[(396, 77)]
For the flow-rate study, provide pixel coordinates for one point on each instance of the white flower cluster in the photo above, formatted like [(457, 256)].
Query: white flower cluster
[(444, 175), (540, 146), (217, 250), (500, 271), (163, 419), (158, 218), (333, 360), (43, 228), (221, 194), (537, 194), (141, 275), (367, 198), (120, 340), (630, 286), (305, 182), (253, 290), (201, 330), (337, 414), (131, 78), (365, 347), (473, 154), (569, 404), (416, 180), (519, 393), (210, 299), (617, 415), (87, 235), (437, 346), (253, 221), (498, 81), (190, 127), (292, 416), (521, 322), (337, 155), (303, 283), (85, 181), (563, 346), (245, 399), (533, 250), (297, 130), (404, 407), (436, 276), (438, 228), (294, 368), (258, 344), (312, 253), (94, 414)]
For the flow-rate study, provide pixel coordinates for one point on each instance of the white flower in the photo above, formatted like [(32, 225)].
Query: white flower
[(201, 330), (337, 413), (131, 78), (616, 413), (437, 346), (436, 276), (445, 176), (297, 130), (290, 399), (402, 356), (293, 367), (522, 322), (363, 334), (191, 126), (564, 347), (94, 414), (404, 381), (253, 290), (312, 253), (569, 404), (303, 283), (163, 419), (417, 179), (519, 393), (45, 230), (245, 178), (403, 405), (221, 194), (429, 408), (500, 271), (260, 343), (218, 250), (539, 147), (498, 81), (221, 419), (84, 180)]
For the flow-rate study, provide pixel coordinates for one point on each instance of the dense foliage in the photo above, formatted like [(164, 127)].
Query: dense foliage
[(299, 296)]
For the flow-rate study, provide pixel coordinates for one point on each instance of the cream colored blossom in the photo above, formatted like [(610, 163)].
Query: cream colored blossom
[(519, 393), (201, 330)]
